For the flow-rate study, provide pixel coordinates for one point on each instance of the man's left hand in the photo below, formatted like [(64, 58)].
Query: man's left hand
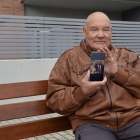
[(110, 67)]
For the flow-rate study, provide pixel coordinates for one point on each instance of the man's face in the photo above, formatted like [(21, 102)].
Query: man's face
[(98, 33)]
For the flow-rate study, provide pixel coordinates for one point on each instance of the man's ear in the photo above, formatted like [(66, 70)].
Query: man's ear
[(111, 30), (84, 31)]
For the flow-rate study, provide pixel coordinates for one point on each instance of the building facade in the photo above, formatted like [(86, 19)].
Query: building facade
[(11, 7), (120, 10)]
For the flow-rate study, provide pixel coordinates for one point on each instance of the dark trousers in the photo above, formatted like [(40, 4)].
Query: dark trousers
[(89, 131)]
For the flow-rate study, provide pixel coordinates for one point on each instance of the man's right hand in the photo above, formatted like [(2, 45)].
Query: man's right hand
[(89, 88)]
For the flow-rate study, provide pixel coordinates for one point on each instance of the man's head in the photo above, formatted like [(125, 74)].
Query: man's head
[(99, 61), (97, 31)]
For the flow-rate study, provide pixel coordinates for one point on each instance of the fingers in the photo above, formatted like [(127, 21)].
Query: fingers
[(101, 83), (104, 80), (86, 78), (89, 88), (108, 53), (101, 50), (116, 54)]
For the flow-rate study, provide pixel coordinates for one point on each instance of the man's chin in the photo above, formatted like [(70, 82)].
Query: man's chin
[(97, 47)]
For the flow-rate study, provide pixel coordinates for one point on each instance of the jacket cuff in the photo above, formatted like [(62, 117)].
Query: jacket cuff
[(80, 97), (121, 78)]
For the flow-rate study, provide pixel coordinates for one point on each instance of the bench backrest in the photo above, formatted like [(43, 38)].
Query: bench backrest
[(27, 109)]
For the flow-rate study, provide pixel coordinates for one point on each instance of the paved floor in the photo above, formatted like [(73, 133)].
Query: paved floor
[(63, 135)]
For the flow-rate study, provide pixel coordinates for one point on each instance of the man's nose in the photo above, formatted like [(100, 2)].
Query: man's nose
[(100, 34)]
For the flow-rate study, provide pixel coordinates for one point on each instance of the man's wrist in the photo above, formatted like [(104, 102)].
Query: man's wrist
[(113, 75)]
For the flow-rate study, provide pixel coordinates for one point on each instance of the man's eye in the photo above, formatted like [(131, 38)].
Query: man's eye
[(106, 29), (94, 29)]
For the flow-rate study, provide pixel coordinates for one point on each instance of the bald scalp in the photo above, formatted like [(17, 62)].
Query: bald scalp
[(97, 16)]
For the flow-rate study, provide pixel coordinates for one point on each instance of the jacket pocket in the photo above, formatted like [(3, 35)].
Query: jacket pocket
[(125, 65), (81, 69)]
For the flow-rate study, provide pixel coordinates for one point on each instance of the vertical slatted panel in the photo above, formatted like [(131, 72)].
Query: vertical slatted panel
[(46, 37)]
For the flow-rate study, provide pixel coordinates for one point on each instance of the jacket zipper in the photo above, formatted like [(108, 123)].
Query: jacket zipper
[(109, 97), (117, 121), (111, 105)]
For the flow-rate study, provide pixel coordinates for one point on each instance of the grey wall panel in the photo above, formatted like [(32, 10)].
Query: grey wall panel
[(131, 15), (66, 13), (50, 37)]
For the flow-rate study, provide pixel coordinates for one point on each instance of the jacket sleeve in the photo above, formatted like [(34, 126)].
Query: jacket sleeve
[(61, 96), (130, 78)]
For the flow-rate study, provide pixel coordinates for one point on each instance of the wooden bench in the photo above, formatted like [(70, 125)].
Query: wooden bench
[(27, 109)]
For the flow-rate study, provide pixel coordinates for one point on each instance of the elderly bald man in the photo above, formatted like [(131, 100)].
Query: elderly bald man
[(100, 110)]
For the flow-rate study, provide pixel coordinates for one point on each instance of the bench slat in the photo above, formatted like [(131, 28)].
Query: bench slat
[(25, 109), (30, 129), (23, 89)]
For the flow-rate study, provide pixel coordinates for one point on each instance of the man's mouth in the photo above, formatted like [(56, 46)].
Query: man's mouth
[(100, 41)]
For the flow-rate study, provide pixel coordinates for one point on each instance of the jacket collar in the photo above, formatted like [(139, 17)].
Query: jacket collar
[(88, 50)]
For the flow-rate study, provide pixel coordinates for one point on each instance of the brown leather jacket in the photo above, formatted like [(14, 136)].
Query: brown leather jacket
[(116, 105)]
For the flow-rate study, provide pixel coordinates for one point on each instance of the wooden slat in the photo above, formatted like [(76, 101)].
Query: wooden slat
[(23, 25), (23, 89), (64, 37), (39, 52), (125, 22), (126, 32), (125, 38), (64, 23), (126, 29), (21, 44), (60, 44), (63, 26), (23, 29), (25, 109), (57, 48), (39, 40), (127, 44), (126, 41), (55, 51), (52, 55), (130, 35), (23, 56), (124, 25), (21, 17), (65, 19), (11, 29), (36, 40), (65, 30), (30, 129), (63, 33), (21, 21), (21, 36), (22, 48), (20, 32), (130, 47)]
